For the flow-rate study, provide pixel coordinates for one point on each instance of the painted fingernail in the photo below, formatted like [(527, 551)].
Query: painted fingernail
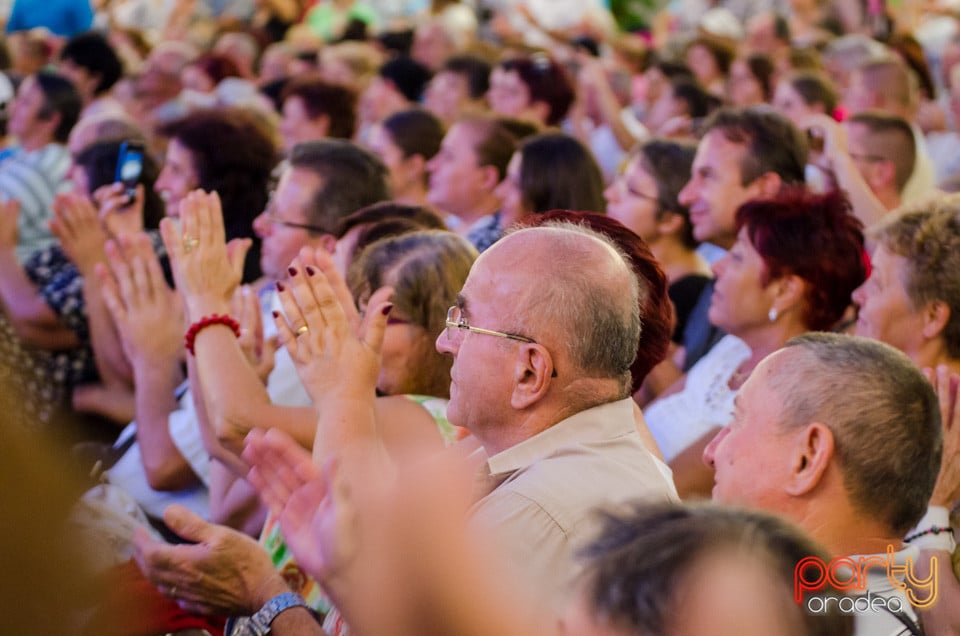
[(292, 270), (276, 314), (310, 271), (280, 286), (386, 310)]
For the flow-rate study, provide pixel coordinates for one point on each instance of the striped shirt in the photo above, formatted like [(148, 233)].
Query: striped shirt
[(34, 179)]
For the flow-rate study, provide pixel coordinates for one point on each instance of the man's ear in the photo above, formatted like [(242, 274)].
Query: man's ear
[(326, 241), (533, 373), (768, 184), (491, 177), (935, 317), (814, 451)]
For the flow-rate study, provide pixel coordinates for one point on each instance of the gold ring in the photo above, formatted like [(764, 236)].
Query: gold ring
[(189, 243), (302, 330)]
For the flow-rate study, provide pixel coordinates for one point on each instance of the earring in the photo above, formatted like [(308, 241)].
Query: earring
[(773, 314)]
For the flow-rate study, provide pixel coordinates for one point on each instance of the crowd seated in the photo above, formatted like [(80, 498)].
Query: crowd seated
[(484, 297)]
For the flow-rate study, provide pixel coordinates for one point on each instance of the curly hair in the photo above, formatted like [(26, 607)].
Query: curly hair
[(927, 235)]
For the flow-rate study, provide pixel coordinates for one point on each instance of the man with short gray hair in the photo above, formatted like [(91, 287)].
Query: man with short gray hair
[(841, 435), (541, 379)]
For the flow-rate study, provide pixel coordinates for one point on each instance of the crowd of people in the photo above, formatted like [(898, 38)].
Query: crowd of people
[(480, 317)]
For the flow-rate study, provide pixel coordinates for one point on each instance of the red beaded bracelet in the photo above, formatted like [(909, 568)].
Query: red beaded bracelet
[(206, 321)]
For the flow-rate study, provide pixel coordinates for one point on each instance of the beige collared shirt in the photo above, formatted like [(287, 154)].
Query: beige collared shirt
[(546, 490)]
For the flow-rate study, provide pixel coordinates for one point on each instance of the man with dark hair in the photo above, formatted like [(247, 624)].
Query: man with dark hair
[(459, 87), (472, 160), (324, 182), (846, 435), (44, 111), (90, 62), (397, 86), (744, 154), (314, 109)]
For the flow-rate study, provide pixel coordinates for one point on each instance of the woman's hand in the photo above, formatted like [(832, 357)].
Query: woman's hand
[(77, 226), (119, 214), (207, 271), (946, 384), (258, 350), (313, 505), (335, 351), (148, 314)]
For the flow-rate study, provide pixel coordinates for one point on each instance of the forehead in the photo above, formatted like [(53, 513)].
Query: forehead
[(497, 280), (297, 188), (719, 153)]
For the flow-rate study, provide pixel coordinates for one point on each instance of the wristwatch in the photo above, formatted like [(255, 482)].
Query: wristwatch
[(259, 624)]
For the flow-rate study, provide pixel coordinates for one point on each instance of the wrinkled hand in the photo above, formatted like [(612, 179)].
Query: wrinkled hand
[(334, 350), (120, 215), (207, 271), (148, 314), (9, 224), (945, 383), (313, 506), (224, 572), (77, 226), (258, 350)]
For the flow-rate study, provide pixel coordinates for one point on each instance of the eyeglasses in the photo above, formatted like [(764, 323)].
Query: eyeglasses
[(455, 320), (271, 214), (621, 184), (867, 158)]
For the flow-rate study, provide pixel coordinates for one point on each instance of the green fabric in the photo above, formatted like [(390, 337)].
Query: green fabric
[(327, 21)]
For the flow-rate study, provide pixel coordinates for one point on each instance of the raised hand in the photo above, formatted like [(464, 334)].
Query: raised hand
[(945, 383), (313, 505), (148, 314), (119, 214), (335, 351), (206, 270), (77, 226), (258, 350)]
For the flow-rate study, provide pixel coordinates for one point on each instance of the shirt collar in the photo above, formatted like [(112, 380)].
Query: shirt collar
[(606, 421)]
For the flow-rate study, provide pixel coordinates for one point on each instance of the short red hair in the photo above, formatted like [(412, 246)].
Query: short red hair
[(656, 312)]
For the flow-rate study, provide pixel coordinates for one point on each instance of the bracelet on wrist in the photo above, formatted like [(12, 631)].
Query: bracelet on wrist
[(206, 321), (935, 530)]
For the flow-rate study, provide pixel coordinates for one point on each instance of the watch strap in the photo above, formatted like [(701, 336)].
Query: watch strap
[(260, 622)]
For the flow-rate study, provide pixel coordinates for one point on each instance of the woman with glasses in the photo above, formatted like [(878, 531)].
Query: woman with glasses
[(644, 198)]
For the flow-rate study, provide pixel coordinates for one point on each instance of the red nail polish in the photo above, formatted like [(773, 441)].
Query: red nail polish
[(310, 271), (386, 310), (276, 314), (292, 270), (280, 286)]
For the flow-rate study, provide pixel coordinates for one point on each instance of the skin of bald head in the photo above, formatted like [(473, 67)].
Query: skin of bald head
[(586, 306), (109, 126)]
